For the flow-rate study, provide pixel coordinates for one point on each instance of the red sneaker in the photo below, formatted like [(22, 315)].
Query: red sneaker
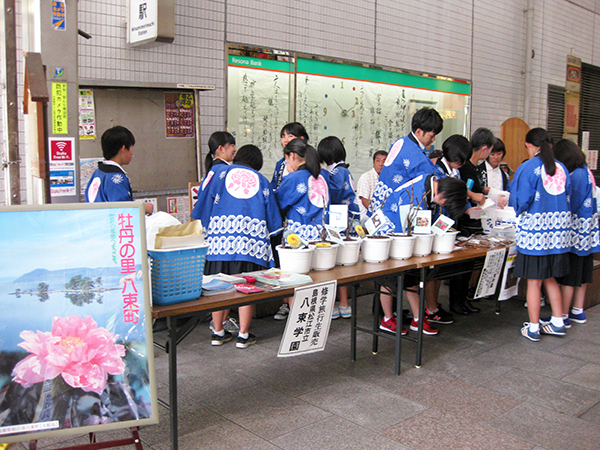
[(391, 326), (427, 327)]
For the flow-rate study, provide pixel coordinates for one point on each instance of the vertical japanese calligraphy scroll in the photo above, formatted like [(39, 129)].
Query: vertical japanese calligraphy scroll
[(76, 345)]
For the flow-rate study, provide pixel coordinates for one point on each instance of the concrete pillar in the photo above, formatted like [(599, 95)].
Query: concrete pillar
[(51, 29)]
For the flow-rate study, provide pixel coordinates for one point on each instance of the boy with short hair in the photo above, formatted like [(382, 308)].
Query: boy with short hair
[(110, 183)]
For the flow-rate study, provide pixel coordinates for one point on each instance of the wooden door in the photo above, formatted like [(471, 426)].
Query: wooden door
[(512, 133)]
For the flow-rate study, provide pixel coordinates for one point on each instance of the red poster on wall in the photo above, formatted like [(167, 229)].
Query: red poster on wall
[(179, 115)]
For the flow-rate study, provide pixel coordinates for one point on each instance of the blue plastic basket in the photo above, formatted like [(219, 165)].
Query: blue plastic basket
[(177, 274)]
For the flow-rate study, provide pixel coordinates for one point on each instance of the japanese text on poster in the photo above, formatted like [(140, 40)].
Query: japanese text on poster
[(83, 271), (60, 114), (87, 116), (62, 166), (59, 15), (490, 274), (179, 115), (179, 207), (308, 323), (510, 284)]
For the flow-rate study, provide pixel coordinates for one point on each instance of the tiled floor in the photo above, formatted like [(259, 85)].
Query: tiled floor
[(481, 386)]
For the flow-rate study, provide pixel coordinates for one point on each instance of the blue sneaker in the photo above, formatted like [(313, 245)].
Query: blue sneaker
[(535, 337), (577, 318), (548, 328), (566, 321)]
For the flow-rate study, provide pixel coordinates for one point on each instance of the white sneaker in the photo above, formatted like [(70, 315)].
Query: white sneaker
[(542, 303), (283, 312), (335, 314), (346, 312)]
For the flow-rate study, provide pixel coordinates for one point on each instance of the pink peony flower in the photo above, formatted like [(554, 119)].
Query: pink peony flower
[(76, 349)]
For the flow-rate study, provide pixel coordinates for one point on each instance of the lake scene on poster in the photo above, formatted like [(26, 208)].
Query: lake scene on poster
[(76, 349)]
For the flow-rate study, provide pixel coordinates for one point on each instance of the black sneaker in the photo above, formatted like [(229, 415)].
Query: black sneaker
[(440, 316), (245, 343), (220, 340)]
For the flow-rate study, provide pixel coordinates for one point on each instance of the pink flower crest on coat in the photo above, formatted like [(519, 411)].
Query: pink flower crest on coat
[(83, 353)]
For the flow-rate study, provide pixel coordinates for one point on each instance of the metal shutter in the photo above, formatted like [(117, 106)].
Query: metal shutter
[(589, 114), (556, 111)]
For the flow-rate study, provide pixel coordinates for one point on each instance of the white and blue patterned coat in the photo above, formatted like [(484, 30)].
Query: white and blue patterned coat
[(405, 161), (412, 191), (302, 198), (238, 209), (585, 234), (541, 203), (109, 183), (341, 188)]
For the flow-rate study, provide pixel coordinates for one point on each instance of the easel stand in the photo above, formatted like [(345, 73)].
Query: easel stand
[(93, 445)]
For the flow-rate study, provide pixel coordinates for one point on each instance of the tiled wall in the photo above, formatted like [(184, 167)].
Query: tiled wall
[(482, 40)]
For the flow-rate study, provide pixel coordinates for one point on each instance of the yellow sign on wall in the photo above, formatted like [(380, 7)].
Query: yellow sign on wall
[(60, 114)]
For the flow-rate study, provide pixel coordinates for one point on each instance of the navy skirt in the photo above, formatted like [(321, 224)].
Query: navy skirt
[(542, 267), (581, 271), (230, 267)]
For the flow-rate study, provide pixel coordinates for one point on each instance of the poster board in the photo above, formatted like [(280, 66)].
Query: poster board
[(83, 361)]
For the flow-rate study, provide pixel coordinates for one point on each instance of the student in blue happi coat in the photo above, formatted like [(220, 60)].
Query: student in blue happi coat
[(109, 182), (237, 208), (585, 234), (406, 158), (303, 194), (540, 193), (341, 192)]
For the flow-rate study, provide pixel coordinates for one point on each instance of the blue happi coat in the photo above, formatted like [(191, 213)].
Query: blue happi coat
[(541, 203), (238, 210), (413, 190), (109, 183), (585, 234), (302, 198), (341, 188), (405, 161), (278, 174)]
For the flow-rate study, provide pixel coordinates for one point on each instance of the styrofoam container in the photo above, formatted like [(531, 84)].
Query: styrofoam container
[(295, 260), (323, 258), (376, 249), (444, 243)]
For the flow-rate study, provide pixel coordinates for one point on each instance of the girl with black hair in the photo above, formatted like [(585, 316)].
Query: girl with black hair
[(289, 131), (539, 194), (341, 191), (221, 149), (303, 193), (585, 234), (239, 212), (339, 179)]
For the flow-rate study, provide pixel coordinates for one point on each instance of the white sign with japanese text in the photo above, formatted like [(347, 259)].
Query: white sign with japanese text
[(510, 284), (308, 323), (490, 274), (143, 21)]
